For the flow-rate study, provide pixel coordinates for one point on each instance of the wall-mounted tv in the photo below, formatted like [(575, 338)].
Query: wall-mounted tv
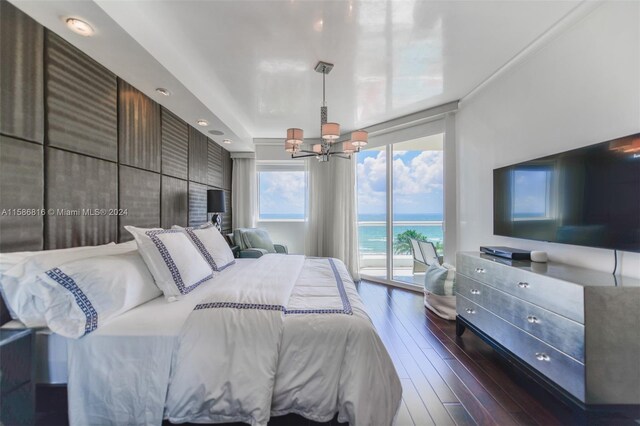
[(587, 196)]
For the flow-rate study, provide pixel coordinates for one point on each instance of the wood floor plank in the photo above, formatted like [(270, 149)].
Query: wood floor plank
[(460, 415), (415, 406), (422, 384), (468, 400), (403, 418)]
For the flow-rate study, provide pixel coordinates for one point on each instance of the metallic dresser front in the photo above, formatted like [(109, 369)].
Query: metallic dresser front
[(576, 328)]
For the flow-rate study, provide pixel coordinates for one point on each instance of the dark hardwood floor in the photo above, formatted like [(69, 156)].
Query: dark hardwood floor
[(447, 380)]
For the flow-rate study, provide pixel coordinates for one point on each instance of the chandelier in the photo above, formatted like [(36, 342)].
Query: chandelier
[(330, 133)]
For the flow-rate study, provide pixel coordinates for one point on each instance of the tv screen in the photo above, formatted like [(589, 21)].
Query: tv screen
[(587, 196)]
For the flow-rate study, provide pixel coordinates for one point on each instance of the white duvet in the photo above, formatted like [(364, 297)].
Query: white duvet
[(281, 334)]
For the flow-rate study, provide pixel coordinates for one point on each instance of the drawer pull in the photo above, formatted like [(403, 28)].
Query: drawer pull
[(523, 284), (480, 270), (470, 311), (474, 291), (541, 356), (533, 319)]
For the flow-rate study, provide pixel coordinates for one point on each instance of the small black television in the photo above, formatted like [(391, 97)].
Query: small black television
[(588, 196)]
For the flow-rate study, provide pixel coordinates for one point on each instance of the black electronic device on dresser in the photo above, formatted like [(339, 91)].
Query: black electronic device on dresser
[(573, 329), (17, 376)]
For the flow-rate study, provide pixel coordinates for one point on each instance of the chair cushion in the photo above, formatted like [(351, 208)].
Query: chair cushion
[(257, 238)]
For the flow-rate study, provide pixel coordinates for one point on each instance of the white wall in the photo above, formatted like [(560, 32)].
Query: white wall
[(580, 88)]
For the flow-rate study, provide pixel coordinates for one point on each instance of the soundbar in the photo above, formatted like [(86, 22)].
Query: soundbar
[(507, 252)]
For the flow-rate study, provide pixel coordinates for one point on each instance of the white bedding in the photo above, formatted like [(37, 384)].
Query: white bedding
[(322, 363)]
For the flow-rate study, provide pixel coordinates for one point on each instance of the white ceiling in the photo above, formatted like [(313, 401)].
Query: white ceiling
[(247, 66)]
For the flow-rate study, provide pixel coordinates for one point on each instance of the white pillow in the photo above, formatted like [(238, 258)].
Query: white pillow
[(175, 263), (15, 281), (82, 295), (211, 244)]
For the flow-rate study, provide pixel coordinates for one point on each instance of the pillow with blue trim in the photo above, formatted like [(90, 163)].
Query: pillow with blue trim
[(211, 244), (175, 263), (79, 296)]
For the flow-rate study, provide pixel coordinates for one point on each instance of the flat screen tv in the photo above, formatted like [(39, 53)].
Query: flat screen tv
[(587, 196)]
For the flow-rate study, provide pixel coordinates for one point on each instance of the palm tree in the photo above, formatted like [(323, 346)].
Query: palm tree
[(402, 245)]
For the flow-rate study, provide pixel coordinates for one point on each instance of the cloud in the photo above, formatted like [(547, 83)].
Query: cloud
[(418, 181), (282, 192)]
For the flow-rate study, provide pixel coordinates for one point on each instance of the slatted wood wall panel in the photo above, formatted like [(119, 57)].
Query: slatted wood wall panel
[(21, 187), (214, 167), (175, 146), (139, 129), (82, 112), (198, 156), (21, 79), (226, 218), (139, 195), (79, 182), (227, 165), (197, 204), (175, 202), (108, 146)]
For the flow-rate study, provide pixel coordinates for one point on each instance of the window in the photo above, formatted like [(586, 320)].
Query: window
[(282, 193)]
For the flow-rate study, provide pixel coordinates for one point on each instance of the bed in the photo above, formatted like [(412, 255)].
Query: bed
[(269, 336)]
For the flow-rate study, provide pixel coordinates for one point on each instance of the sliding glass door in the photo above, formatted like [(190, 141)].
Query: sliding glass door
[(412, 209)]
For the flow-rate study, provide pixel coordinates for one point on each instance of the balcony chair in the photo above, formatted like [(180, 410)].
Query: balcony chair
[(424, 254), (255, 242)]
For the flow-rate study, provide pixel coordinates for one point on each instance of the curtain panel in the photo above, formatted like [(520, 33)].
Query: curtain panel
[(244, 193)]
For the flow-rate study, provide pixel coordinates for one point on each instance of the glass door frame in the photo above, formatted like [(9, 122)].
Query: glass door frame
[(444, 125)]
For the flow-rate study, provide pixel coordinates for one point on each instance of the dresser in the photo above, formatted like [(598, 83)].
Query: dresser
[(17, 387), (574, 329)]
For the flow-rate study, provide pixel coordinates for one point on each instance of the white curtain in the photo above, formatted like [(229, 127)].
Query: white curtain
[(244, 193), (332, 228)]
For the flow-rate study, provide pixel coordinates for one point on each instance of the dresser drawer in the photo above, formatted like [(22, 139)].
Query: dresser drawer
[(558, 367), (559, 332), (563, 298)]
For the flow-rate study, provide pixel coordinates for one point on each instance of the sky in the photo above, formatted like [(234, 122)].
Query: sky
[(282, 193), (417, 176), (418, 189)]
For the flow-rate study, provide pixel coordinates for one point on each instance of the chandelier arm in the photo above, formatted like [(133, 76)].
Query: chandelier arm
[(311, 154), (342, 155)]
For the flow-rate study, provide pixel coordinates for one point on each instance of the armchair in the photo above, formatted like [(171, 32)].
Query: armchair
[(256, 242)]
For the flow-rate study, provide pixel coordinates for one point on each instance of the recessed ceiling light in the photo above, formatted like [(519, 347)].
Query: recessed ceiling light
[(78, 26), (216, 132), (227, 141), (202, 122), (163, 91)]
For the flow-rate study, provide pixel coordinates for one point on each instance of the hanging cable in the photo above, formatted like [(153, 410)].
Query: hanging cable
[(615, 259)]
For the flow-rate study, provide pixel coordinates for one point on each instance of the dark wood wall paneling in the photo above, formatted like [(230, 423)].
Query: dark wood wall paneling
[(22, 127), (76, 182), (107, 146)]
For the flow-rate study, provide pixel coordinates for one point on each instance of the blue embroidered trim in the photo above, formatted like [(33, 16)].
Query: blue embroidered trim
[(168, 260), (201, 248), (346, 304), (91, 322), (234, 305)]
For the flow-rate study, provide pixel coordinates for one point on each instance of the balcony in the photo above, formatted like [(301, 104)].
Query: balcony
[(373, 249)]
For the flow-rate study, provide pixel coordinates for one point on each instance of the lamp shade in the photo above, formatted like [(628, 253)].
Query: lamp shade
[(359, 138), (215, 201), (289, 147), (295, 136), (348, 147), (317, 148), (330, 131)]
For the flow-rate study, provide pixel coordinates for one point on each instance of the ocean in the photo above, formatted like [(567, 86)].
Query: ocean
[(372, 238)]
